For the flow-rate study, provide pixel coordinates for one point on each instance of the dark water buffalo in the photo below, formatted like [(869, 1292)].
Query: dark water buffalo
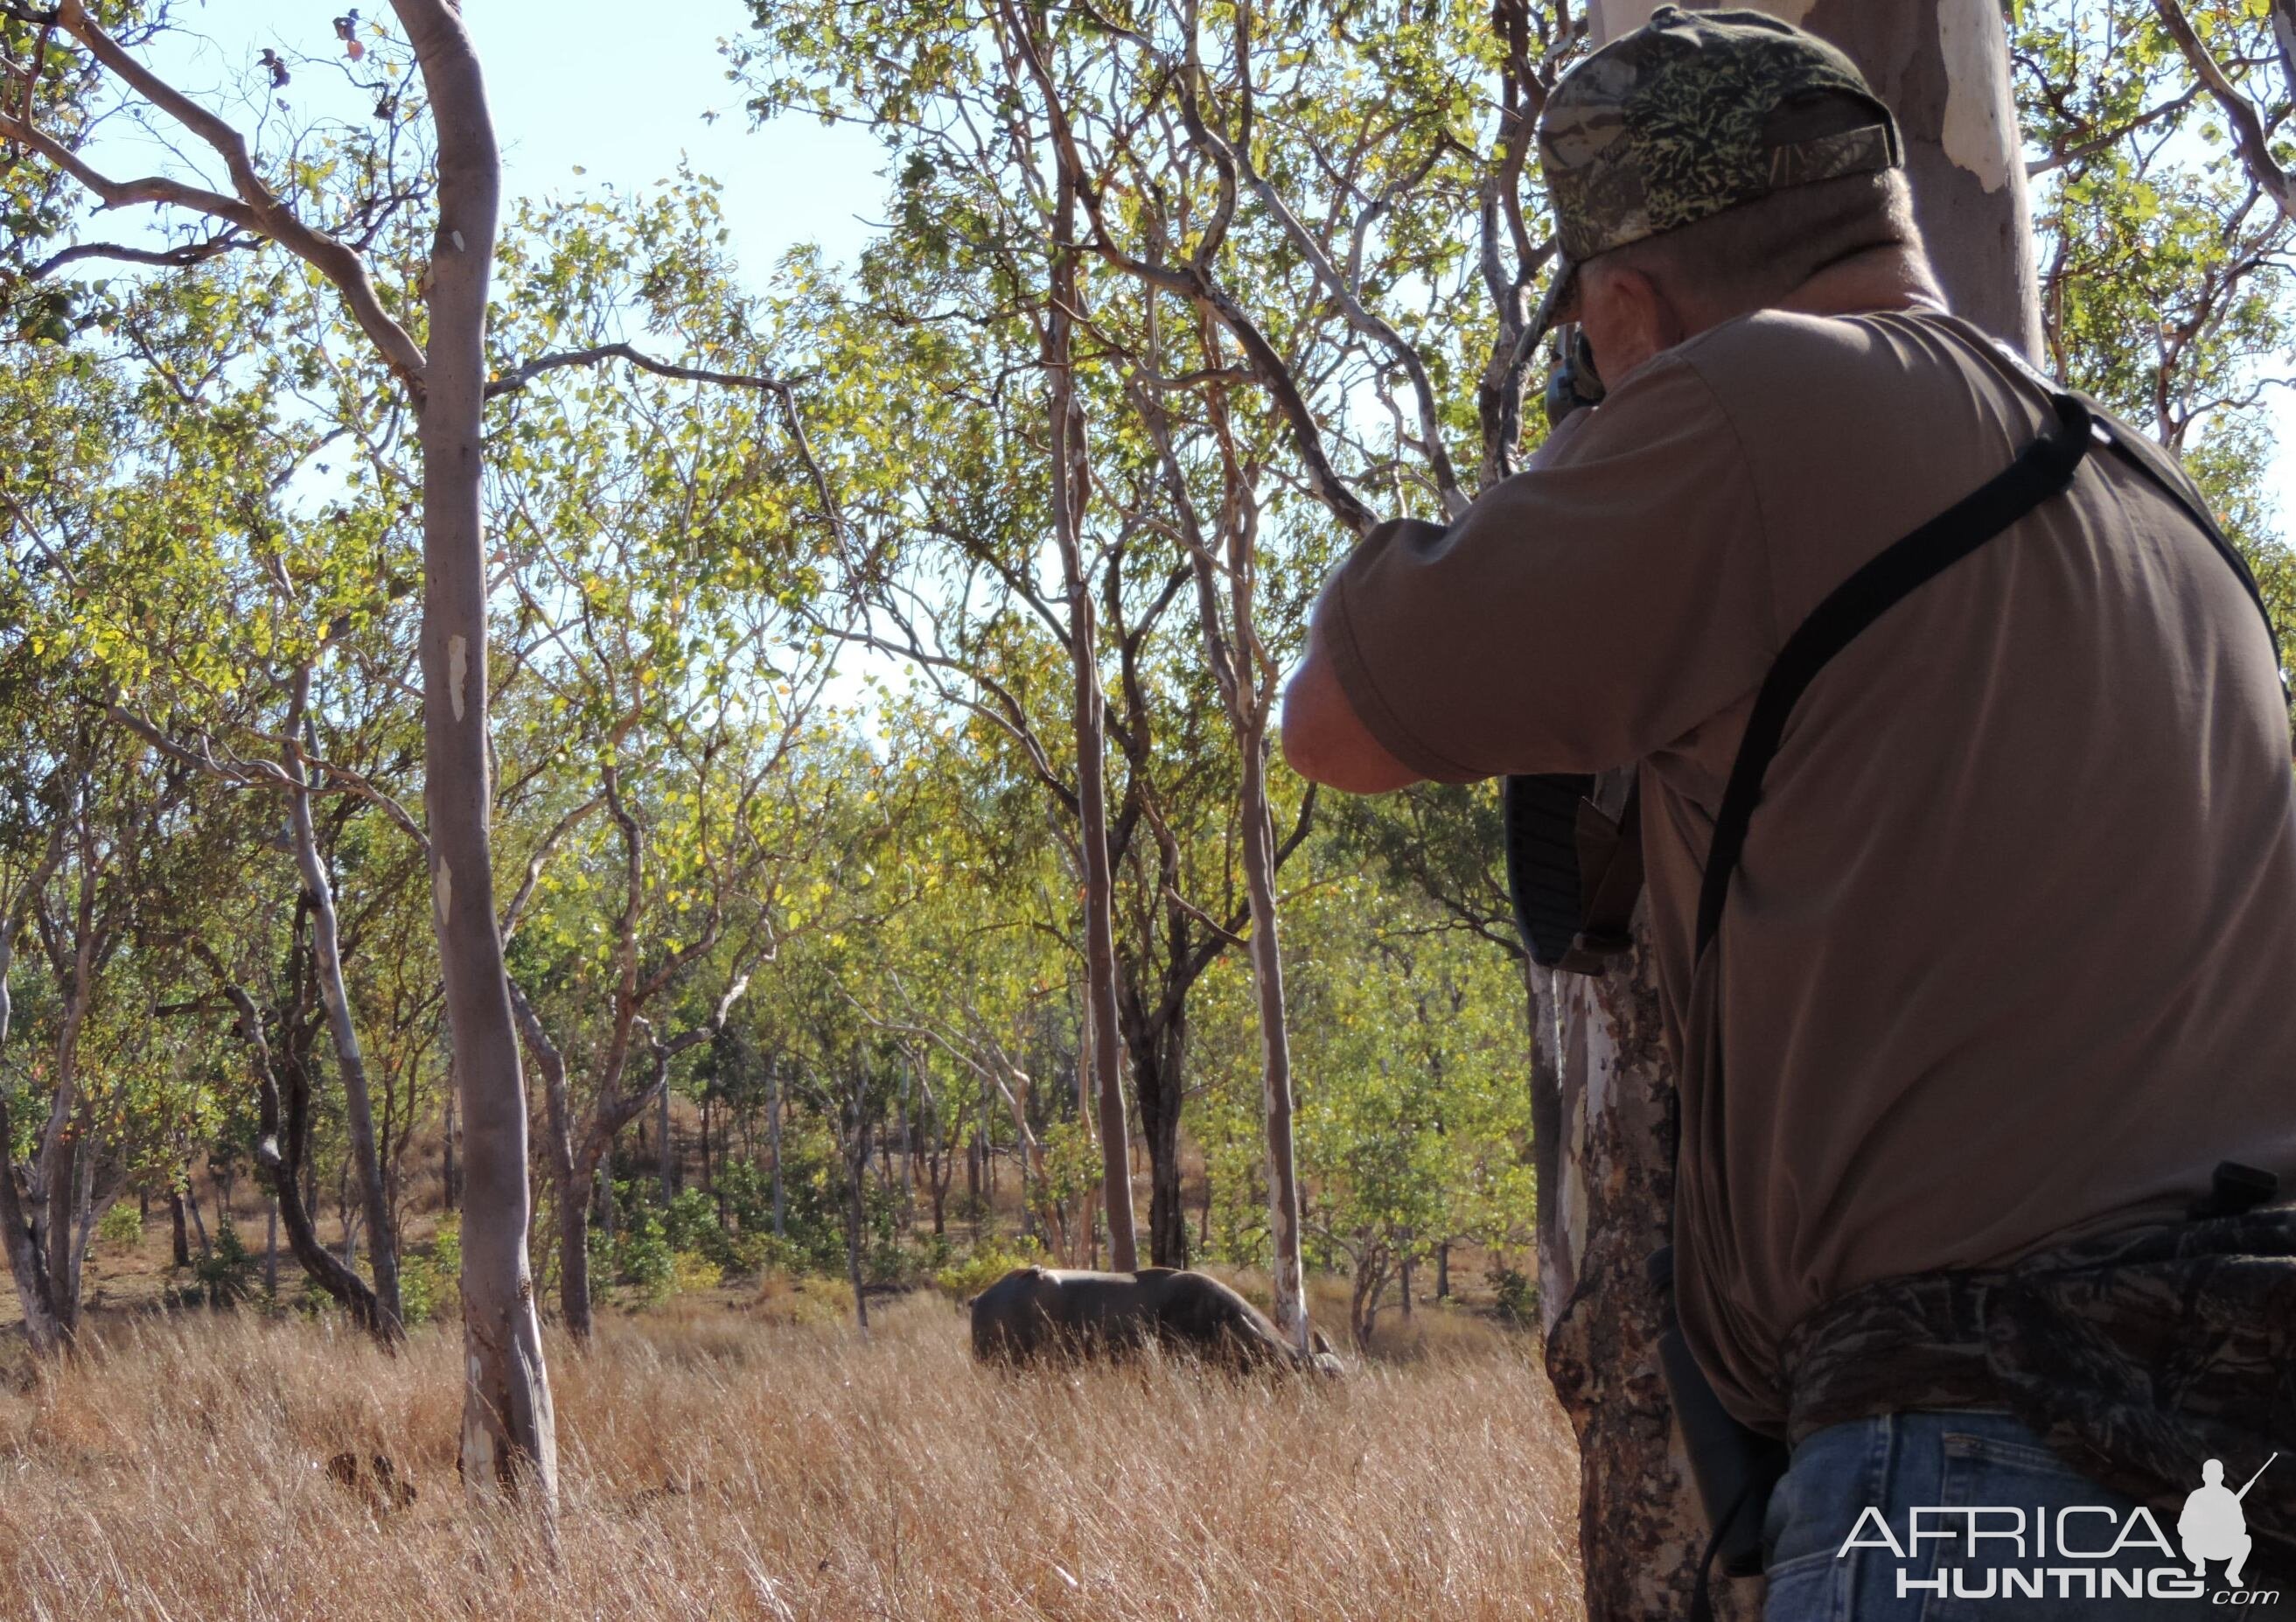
[(1034, 1311)]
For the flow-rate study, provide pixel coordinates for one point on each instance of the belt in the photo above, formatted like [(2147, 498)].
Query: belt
[(2134, 1355), (1901, 1343)]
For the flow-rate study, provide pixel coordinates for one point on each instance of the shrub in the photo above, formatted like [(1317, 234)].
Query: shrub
[(691, 1272), (812, 1187), (747, 1191), (690, 1224), (601, 1246), (1514, 1298), (754, 1253), (885, 1254), (226, 1275), (447, 1246), (418, 1291), (121, 1226), (991, 1261), (431, 1283), (643, 1259), (932, 1253)]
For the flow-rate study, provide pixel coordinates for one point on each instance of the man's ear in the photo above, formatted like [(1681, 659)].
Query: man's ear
[(1627, 317)]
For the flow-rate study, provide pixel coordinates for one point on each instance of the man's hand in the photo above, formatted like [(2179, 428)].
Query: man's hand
[(1324, 740)]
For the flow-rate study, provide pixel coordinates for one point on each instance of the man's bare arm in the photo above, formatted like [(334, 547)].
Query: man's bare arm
[(1324, 738)]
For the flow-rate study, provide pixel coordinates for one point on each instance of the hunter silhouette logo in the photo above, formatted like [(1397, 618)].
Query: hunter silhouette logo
[(2214, 1527)]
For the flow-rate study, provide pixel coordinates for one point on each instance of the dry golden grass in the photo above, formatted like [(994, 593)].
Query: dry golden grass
[(176, 1470)]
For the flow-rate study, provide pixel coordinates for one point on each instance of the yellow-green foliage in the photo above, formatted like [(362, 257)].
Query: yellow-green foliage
[(690, 1273), (430, 1281), (991, 1261), (1412, 1107), (120, 1225)]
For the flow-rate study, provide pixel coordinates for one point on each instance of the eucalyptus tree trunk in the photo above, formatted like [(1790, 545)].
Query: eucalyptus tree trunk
[(856, 1170), (570, 1175), (26, 1262), (1246, 676), (351, 1061), (1070, 481), (27, 1257), (1159, 1053), (60, 1162), (773, 1084), (1291, 1298), (510, 1437), (284, 1119), (1943, 66)]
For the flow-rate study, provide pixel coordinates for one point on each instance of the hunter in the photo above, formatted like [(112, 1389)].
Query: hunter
[(1962, 760)]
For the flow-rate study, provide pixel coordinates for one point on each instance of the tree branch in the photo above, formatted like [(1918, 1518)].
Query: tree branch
[(1234, 162), (2249, 136), (781, 389), (257, 208), (177, 258)]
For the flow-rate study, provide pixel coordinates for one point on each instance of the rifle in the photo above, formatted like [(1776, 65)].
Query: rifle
[(2252, 1480), (1574, 874)]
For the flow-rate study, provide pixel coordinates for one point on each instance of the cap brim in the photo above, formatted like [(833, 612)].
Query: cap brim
[(1560, 303)]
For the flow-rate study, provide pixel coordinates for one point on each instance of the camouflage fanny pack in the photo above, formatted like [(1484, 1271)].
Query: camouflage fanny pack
[(2135, 1355)]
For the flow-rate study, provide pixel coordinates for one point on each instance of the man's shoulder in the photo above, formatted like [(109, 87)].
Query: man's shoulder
[(1837, 403), (1775, 347)]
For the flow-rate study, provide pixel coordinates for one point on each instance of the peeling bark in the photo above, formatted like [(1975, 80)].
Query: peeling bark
[(1640, 1525)]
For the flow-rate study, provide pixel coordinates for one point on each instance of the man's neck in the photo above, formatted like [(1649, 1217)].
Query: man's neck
[(1893, 277)]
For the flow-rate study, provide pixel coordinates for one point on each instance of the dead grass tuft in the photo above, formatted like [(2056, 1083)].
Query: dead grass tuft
[(733, 1463)]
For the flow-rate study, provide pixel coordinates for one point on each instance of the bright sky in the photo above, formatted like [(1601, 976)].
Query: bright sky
[(623, 93), (619, 92)]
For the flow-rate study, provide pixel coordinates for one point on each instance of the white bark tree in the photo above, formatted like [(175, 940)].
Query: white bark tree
[(509, 1433), (1071, 486), (1224, 557)]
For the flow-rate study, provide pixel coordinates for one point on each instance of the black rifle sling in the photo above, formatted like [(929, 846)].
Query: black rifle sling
[(2042, 470), (2159, 470), (2046, 467)]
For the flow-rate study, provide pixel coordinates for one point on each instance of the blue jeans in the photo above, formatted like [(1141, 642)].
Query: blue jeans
[(1875, 1522)]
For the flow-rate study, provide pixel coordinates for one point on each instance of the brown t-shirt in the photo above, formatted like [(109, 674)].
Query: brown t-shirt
[(2012, 953)]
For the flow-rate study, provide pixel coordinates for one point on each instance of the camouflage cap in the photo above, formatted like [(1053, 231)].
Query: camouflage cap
[(1669, 124)]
